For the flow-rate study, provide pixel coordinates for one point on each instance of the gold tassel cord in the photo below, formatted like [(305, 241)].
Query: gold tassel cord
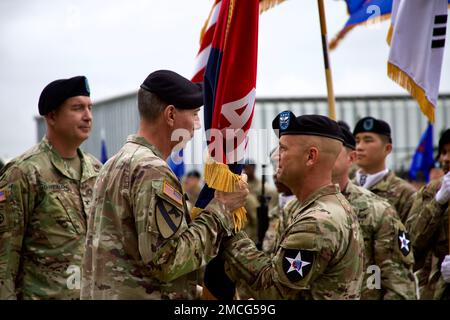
[(205, 25), (265, 5), (405, 81)]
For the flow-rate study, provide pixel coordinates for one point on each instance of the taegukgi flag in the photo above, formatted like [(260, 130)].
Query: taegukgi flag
[(417, 39)]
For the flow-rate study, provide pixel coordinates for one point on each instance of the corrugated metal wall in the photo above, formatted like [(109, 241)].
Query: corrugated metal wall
[(119, 117)]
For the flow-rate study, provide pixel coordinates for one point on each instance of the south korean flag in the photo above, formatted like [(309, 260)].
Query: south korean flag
[(297, 264), (404, 243)]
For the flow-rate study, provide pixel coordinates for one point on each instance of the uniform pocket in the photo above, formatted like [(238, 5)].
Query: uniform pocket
[(66, 217)]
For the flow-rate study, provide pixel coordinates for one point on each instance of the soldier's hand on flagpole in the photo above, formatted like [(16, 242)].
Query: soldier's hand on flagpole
[(243, 182), (237, 199), (443, 195)]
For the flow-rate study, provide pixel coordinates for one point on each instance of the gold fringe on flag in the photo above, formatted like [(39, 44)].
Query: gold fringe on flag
[(195, 212), (399, 76), (389, 35), (265, 5), (218, 176), (335, 41)]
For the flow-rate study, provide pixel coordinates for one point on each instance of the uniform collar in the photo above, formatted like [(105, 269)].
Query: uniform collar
[(87, 168), (383, 183), (371, 179), (348, 188), (134, 138), (324, 191)]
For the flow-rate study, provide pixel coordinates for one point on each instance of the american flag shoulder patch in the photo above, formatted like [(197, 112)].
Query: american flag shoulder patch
[(172, 193)]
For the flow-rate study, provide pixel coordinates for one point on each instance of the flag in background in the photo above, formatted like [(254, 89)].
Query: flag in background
[(417, 39), (176, 160), (206, 37), (207, 33), (229, 93), (423, 159), (176, 163), (103, 153), (362, 12)]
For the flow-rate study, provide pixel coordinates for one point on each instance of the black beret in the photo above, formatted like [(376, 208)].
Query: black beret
[(443, 140), (58, 91), (370, 124), (312, 124), (349, 139), (174, 89)]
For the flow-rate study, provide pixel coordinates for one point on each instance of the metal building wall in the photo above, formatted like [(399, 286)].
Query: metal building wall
[(118, 117)]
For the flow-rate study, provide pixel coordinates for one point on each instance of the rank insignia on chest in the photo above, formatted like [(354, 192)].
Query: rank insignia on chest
[(404, 243), (297, 264)]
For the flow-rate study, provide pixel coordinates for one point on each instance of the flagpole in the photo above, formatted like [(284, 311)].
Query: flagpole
[(330, 91)]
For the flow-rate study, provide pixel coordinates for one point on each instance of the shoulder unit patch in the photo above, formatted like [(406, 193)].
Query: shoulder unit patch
[(297, 264), (404, 242)]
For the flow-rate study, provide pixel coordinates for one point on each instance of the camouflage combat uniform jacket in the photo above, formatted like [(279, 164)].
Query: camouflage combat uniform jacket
[(320, 254), (428, 226), (141, 243), (253, 203), (43, 212), (398, 192), (278, 222), (387, 246)]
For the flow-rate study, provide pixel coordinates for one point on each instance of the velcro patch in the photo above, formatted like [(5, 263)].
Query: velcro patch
[(297, 264), (172, 193), (168, 218), (404, 243)]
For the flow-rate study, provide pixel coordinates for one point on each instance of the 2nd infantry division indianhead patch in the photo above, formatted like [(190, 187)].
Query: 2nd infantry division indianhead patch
[(404, 242), (297, 264)]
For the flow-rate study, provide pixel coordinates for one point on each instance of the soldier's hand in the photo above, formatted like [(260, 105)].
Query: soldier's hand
[(236, 199), (443, 195), (445, 269)]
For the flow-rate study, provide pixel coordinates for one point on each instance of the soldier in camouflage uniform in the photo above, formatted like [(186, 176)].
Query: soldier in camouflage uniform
[(278, 219), (45, 195), (320, 254), (373, 145), (428, 225), (387, 246), (141, 241)]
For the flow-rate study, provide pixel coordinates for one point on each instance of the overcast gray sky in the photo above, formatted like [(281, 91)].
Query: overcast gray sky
[(117, 43)]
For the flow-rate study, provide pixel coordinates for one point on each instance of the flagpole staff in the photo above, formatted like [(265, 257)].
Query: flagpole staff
[(330, 91)]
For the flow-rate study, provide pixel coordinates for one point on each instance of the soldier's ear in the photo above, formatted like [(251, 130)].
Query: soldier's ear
[(388, 148), (169, 115), (352, 156), (50, 118), (313, 155)]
